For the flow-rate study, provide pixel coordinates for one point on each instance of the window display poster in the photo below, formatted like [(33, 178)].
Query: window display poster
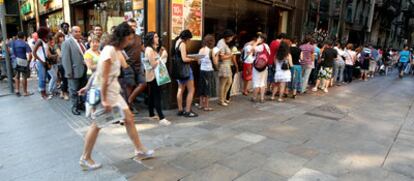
[(187, 14)]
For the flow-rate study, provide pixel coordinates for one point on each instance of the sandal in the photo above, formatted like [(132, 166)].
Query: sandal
[(280, 100), (208, 109), (190, 114), (180, 113), (252, 99)]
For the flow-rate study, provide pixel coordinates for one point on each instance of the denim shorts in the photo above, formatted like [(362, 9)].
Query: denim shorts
[(184, 81)]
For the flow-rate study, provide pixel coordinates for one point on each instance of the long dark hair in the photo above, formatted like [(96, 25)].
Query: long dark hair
[(283, 50), (149, 39), (184, 35), (120, 32), (43, 33)]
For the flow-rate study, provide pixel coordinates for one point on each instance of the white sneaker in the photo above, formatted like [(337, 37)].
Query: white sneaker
[(325, 90), (164, 122), (314, 89)]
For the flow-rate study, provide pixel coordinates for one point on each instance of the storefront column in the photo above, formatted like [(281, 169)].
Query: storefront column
[(66, 12)]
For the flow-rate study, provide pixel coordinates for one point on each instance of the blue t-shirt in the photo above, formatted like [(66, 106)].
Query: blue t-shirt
[(20, 48), (404, 56)]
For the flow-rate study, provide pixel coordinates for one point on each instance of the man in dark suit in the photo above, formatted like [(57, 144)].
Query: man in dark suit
[(75, 68)]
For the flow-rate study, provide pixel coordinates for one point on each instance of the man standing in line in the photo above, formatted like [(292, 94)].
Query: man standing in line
[(308, 58), (133, 50), (75, 68), (23, 55), (65, 30)]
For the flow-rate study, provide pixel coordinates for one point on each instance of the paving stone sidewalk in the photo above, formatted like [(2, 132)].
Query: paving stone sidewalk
[(362, 131)]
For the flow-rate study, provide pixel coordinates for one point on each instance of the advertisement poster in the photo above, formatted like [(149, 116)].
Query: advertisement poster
[(187, 14), (137, 12)]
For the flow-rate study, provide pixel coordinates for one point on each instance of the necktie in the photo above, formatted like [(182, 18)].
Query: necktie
[(81, 46)]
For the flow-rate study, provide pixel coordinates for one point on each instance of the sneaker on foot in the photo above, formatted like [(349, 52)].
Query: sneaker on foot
[(164, 122), (314, 89), (325, 90)]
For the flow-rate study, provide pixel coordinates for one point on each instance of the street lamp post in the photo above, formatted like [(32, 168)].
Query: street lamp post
[(4, 34)]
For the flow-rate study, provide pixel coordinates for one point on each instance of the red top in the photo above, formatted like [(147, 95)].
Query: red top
[(274, 47)]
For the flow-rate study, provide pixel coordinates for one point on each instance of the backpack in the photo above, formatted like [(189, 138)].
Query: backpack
[(260, 64)]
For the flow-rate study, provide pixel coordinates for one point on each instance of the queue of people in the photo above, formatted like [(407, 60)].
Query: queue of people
[(122, 66)]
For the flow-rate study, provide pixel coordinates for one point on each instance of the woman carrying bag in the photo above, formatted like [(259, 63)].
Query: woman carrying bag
[(155, 61)]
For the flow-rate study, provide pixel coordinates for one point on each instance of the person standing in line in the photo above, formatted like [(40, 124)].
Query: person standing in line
[(317, 54), (75, 69), (296, 70), (234, 68), (92, 56), (374, 61), (248, 59), (207, 81), (23, 55), (282, 75), (404, 59), (64, 28), (365, 59), (59, 39), (39, 53), (133, 50), (180, 50), (339, 66), (327, 62), (52, 58), (108, 70), (154, 59), (350, 57), (225, 74), (308, 58), (260, 76), (274, 46)]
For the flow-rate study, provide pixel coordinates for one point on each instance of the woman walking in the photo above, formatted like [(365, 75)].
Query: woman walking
[(106, 79), (282, 74), (296, 70), (207, 81), (225, 73), (181, 55), (260, 76), (154, 59), (39, 54)]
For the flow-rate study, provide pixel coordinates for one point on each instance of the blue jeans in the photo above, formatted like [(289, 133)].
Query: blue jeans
[(339, 67), (41, 74), (53, 79), (306, 74)]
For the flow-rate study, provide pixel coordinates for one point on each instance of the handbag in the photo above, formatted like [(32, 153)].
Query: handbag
[(181, 70), (47, 65), (161, 74), (93, 96), (285, 65)]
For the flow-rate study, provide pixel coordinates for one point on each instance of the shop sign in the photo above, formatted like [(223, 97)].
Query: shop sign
[(26, 8), (187, 14), (138, 4), (1, 1)]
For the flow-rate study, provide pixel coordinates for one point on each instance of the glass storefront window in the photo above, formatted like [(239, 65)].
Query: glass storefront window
[(245, 17)]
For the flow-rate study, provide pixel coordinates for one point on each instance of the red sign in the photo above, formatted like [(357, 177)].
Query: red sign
[(177, 10)]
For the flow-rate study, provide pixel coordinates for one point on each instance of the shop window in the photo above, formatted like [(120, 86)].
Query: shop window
[(244, 17)]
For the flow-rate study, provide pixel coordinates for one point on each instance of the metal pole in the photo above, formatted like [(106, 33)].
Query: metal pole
[(4, 34), (20, 16)]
